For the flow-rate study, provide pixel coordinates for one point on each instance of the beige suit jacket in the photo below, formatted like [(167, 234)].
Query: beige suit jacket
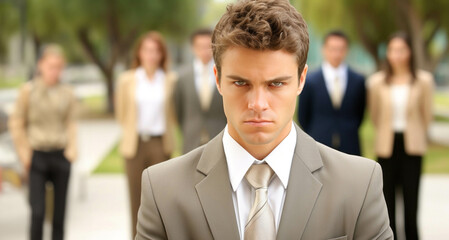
[(126, 114), (18, 123), (419, 113), (330, 195)]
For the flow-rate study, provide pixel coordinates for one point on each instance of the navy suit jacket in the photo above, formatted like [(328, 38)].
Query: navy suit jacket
[(322, 121)]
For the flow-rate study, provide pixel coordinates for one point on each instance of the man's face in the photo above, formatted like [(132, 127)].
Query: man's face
[(202, 48), (51, 67), (335, 50), (259, 90)]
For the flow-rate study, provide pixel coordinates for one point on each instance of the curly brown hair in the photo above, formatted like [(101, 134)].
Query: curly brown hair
[(261, 25)]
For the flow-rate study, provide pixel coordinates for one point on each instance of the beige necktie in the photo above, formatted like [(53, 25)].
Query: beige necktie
[(205, 89), (337, 93), (260, 224)]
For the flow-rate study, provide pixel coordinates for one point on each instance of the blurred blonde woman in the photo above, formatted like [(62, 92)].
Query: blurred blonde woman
[(400, 104), (43, 129), (144, 110)]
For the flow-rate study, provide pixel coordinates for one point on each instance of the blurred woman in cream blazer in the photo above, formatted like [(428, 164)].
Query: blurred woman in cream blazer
[(400, 105), (144, 110)]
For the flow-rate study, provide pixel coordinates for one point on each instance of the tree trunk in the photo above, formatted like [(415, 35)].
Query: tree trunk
[(109, 79)]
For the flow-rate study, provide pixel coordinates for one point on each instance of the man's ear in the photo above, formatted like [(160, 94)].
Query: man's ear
[(217, 79), (302, 79)]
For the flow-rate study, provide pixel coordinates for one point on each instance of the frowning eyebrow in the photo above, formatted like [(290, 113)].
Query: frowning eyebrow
[(278, 79)]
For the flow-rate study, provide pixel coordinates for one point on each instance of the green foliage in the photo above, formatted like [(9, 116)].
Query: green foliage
[(372, 22), (9, 22)]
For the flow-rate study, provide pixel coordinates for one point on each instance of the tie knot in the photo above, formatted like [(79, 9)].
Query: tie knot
[(259, 175)]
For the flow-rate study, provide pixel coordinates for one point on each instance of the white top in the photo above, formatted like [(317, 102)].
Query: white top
[(330, 73), (239, 161), (150, 99), (399, 97), (198, 67)]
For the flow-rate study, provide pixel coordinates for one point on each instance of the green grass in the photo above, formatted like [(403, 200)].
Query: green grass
[(112, 163), (11, 83), (441, 100)]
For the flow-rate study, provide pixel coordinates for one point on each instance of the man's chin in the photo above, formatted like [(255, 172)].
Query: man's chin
[(258, 138)]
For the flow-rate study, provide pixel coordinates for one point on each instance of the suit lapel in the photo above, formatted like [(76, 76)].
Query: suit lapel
[(323, 89), (215, 193), (349, 88), (191, 85), (303, 188)]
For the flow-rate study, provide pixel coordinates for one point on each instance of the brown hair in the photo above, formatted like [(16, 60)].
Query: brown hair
[(411, 63), (337, 33), (156, 37), (261, 25), (200, 32)]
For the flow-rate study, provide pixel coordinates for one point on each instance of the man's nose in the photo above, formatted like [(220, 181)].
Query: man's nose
[(258, 100)]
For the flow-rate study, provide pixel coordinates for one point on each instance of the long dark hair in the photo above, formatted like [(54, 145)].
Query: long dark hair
[(411, 63)]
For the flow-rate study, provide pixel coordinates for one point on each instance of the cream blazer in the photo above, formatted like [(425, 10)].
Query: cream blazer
[(126, 114), (419, 113)]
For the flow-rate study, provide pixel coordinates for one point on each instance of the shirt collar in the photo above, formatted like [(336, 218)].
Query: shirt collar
[(198, 65), (341, 69), (239, 160), (142, 75)]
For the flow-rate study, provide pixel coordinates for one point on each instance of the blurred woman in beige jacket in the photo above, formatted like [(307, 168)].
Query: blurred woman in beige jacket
[(144, 109), (400, 105), (43, 129)]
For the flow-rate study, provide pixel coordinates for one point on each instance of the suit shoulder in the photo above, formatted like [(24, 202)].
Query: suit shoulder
[(376, 79), (356, 75), (314, 74), (425, 77), (126, 76), (175, 167), (346, 168)]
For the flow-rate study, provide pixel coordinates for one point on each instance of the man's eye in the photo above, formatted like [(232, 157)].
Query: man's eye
[(277, 84), (240, 83)]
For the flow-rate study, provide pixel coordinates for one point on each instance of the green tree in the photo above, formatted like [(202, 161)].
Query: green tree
[(372, 22), (107, 29), (9, 23)]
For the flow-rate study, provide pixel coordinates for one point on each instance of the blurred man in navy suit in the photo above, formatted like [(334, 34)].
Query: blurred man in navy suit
[(332, 104)]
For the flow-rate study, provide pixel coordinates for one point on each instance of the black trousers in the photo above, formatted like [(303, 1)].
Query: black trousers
[(402, 171), (48, 167)]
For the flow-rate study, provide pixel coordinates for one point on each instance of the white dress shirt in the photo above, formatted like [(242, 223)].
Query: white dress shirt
[(198, 67), (239, 161), (150, 99), (399, 96), (330, 73)]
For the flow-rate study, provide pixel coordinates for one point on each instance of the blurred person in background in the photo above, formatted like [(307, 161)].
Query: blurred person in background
[(199, 107), (400, 105), (43, 129), (332, 104), (144, 110)]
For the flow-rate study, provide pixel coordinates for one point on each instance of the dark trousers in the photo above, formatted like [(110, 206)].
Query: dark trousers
[(48, 167), (148, 153), (402, 171)]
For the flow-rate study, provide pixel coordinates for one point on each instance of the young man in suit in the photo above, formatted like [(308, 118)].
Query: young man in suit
[(262, 177), (198, 105), (332, 104)]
